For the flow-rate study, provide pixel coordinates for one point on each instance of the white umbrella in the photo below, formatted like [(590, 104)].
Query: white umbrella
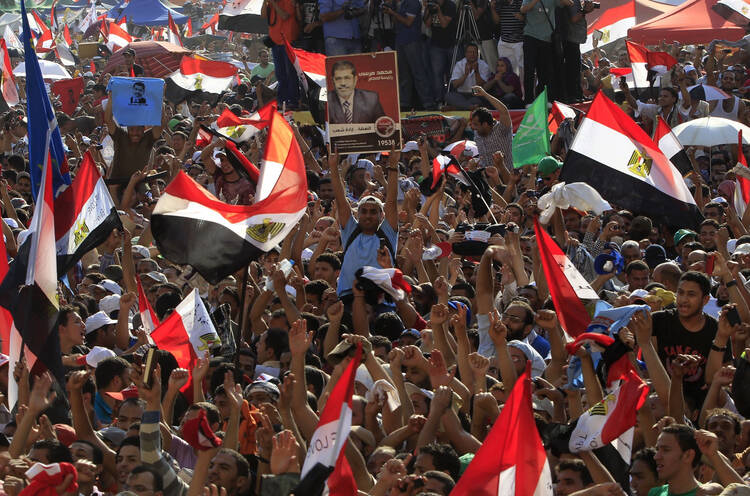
[(710, 93), (50, 70), (711, 131)]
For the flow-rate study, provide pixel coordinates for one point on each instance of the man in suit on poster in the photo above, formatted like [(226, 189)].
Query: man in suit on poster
[(347, 104)]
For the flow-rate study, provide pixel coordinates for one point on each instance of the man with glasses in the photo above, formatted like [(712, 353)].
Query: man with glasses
[(549, 170), (519, 320)]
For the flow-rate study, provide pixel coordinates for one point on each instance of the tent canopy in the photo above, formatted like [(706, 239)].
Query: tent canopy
[(146, 13), (692, 22)]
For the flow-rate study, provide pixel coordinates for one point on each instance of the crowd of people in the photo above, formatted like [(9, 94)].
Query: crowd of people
[(440, 360)]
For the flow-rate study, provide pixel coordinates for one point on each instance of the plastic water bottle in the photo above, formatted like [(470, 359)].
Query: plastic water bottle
[(284, 266)]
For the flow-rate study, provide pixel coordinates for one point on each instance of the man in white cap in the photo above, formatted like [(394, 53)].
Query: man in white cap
[(102, 330)]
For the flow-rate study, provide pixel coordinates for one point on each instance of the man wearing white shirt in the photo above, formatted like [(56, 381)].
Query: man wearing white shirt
[(468, 72)]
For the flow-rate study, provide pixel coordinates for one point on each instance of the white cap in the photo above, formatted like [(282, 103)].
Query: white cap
[(98, 320), (410, 146), (97, 354), (109, 304), (142, 251), (743, 249), (111, 286), (158, 277)]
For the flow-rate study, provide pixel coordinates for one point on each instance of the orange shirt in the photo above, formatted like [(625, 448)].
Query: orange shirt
[(279, 28)]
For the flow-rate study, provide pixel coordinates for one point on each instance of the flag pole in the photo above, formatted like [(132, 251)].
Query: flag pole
[(479, 193), (243, 317)]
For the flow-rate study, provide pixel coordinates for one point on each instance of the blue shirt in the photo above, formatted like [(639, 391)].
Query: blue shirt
[(363, 251), (102, 411), (340, 28), (409, 34)]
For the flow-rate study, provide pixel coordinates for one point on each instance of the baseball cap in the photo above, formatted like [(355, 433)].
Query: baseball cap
[(454, 305), (413, 333), (128, 392), (96, 355), (142, 251), (157, 276), (111, 286), (269, 388), (548, 165), (114, 435), (370, 199), (98, 320), (410, 146), (682, 234), (109, 304), (743, 249)]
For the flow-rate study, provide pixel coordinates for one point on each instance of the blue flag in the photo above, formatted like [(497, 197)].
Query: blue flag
[(137, 101), (45, 141)]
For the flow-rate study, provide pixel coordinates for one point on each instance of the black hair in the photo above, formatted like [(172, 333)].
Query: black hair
[(388, 324), (56, 451), (483, 115), (316, 378), (443, 478), (466, 287), (444, 458), (736, 420), (685, 438), (243, 467), (212, 412), (97, 456), (341, 64), (108, 369), (145, 469), (378, 341), (330, 259), (636, 265), (576, 466), (278, 341), (646, 455), (317, 287), (699, 278)]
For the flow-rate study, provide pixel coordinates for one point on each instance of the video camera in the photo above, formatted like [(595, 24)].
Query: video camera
[(476, 237)]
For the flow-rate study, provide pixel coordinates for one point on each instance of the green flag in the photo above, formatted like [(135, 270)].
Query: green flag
[(531, 142)]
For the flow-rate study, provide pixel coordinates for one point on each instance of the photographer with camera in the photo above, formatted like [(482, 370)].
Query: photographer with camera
[(440, 17), (412, 68), (574, 26), (341, 26)]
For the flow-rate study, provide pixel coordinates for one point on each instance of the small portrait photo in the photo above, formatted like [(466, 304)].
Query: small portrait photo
[(139, 94)]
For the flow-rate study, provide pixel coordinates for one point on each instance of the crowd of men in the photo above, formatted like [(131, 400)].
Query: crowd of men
[(439, 363)]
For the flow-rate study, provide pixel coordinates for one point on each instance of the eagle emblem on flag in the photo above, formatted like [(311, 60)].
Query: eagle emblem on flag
[(605, 36), (80, 233), (265, 231), (198, 82), (640, 163)]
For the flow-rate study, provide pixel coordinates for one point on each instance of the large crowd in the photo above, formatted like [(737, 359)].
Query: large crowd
[(439, 363)]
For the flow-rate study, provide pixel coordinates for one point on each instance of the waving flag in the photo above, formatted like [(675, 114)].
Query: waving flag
[(90, 18), (63, 53), (66, 35), (613, 25), (199, 77), (149, 320), (389, 280), (558, 113), (188, 333), (742, 185), (117, 36), (446, 164), (671, 147), (211, 27), (189, 28), (611, 153), (566, 285), (240, 129), (243, 16), (325, 452), (10, 38), (45, 141), (192, 227), (7, 80), (45, 42), (311, 72), (531, 142), (173, 34), (511, 459), (736, 11), (642, 60), (612, 420)]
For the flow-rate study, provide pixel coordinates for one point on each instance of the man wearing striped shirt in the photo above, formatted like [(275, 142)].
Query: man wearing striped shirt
[(492, 135)]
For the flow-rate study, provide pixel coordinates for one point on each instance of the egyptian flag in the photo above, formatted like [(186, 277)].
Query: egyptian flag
[(243, 16), (90, 18), (311, 72), (613, 23), (35, 308), (149, 319), (45, 42), (188, 333), (643, 61), (389, 280), (462, 147), (189, 28), (736, 11), (511, 459), (612, 420), (241, 163), (66, 35), (557, 114), (671, 147), (191, 226), (566, 285), (118, 36), (241, 129), (211, 27), (173, 34), (325, 463), (611, 153), (742, 185), (199, 77), (7, 79), (445, 164), (89, 218)]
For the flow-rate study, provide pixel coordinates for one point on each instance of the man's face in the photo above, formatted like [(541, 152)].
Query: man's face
[(264, 353), (723, 427), (712, 213), (138, 90), (669, 457), (344, 81), (135, 133), (23, 185), (129, 59), (40, 455), (424, 463), (223, 472), (690, 299), (417, 376), (323, 270), (631, 253), (129, 414), (326, 191), (128, 458), (638, 279), (142, 484), (707, 237), (665, 98), (728, 81), (81, 451), (471, 53), (622, 60), (75, 329), (369, 216), (568, 482), (518, 358), (480, 127), (434, 486), (263, 56), (642, 479), (514, 319), (572, 221)]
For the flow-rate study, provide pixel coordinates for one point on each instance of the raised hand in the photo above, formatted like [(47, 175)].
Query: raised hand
[(497, 331), (724, 376), (41, 396), (479, 366), (177, 379), (437, 369), (299, 338), (707, 441), (546, 319), (439, 315), (683, 365), (284, 453), (441, 401), (201, 368)]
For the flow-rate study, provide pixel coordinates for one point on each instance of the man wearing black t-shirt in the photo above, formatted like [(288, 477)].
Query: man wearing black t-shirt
[(688, 330)]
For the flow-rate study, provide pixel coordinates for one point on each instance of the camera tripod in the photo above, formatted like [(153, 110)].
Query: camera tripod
[(466, 30)]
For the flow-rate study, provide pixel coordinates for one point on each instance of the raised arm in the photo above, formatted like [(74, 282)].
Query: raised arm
[(342, 204), (391, 196)]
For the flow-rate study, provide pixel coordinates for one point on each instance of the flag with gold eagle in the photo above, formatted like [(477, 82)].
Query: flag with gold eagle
[(191, 226), (616, 157)]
